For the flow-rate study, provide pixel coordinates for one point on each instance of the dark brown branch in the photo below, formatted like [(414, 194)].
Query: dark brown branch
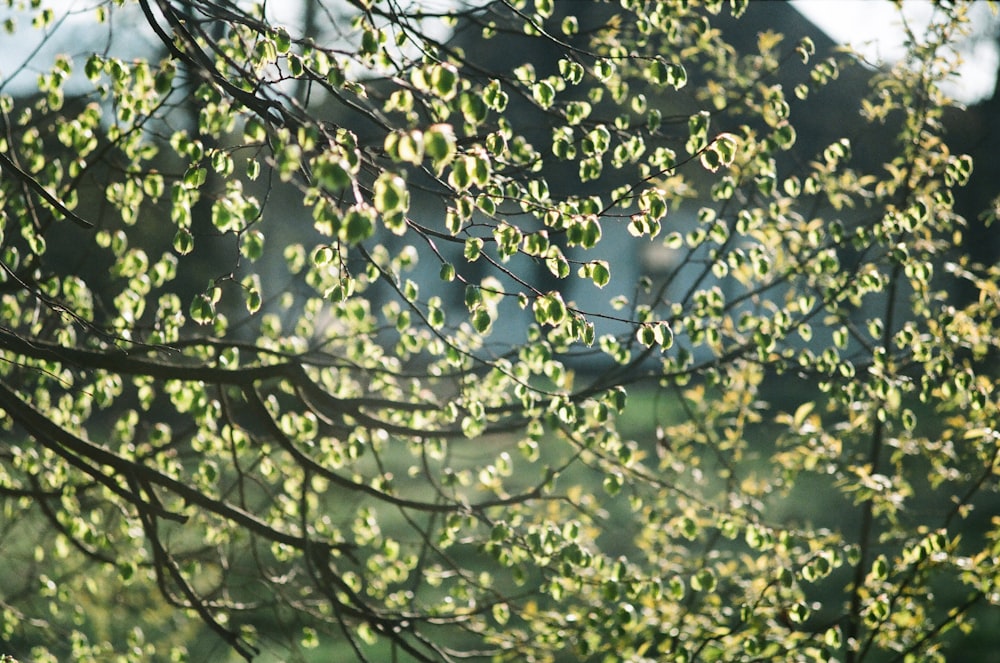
[(10, 168), (164, 562), (73, 448)]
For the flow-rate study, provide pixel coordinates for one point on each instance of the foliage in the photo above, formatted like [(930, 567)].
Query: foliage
[(324, 329)]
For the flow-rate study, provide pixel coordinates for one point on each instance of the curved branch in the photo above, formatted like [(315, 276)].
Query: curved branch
[(9, 167)]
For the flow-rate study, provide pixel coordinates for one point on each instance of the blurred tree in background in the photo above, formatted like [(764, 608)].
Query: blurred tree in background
[(517, 330)]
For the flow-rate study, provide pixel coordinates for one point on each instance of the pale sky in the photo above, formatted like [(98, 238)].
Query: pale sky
[(873, 28)]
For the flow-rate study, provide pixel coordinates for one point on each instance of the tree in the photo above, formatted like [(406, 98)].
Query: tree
[(341, 336)]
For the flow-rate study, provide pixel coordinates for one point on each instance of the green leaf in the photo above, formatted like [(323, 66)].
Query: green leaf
[(494, 96), (461, 173), (473, 297), (784, 135), (183, 241), (481, 321), (391, 195), (550, 309), (474, 108), (698, 130), (439, 145), (571, 71), (332, 173), (726, 145), (543, 93), (282, 40), (252, 244), (370, 40), (358, 224), (806, 48), (195, 178), (94, 67), (613, 483), (544, 8), (251, 293), (473, 248), (597, 271), (481, 169), (202, 309), (703, 581), (444, 79), (667, 74)]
